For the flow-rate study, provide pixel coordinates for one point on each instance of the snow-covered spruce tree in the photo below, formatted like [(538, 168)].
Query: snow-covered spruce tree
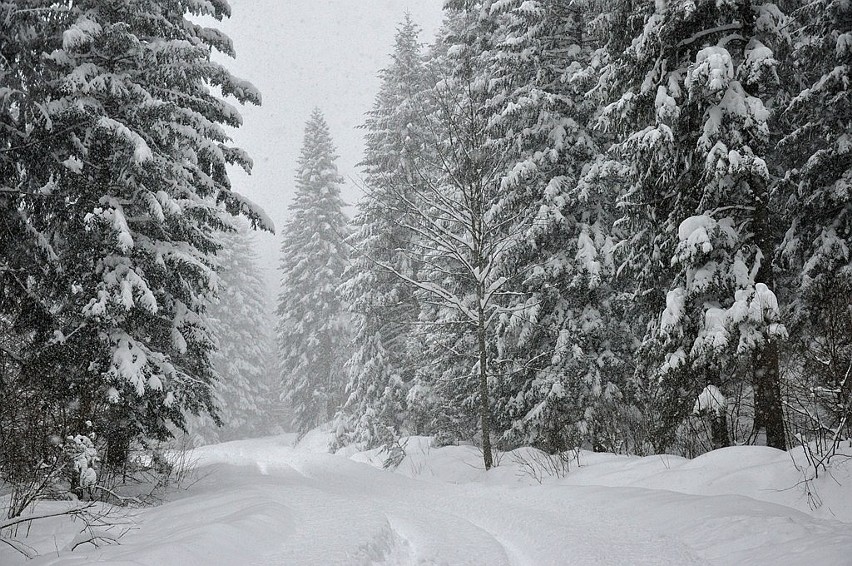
[(243, 328), (564, 367), (312, 337), (689, 97), (114, 164), (382, 304), (816, 249)]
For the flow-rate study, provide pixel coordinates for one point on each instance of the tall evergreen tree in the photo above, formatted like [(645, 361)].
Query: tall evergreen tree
[(816, 247), (113, 169), (564, 344), (312, 336), (689, 98), (383, 305)]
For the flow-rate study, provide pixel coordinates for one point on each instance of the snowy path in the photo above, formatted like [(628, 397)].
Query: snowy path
[(271, 504), (391, 519)]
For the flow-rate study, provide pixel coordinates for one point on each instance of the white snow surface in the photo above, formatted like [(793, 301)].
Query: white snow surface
[(266, 501)]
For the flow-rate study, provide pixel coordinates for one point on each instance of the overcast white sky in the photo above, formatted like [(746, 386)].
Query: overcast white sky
[(302, 54)]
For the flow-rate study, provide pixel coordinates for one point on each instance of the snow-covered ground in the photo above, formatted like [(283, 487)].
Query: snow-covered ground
[(266, 501)]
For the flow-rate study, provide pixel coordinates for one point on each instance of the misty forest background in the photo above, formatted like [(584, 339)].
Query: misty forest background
[(621, 225)]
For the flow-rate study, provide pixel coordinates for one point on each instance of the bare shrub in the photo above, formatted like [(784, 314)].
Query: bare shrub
[(539, 465), (395, 453)]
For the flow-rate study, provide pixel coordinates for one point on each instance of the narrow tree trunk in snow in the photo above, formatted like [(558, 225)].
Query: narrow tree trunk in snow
[(484, 407), (767, 396), (719, 424)]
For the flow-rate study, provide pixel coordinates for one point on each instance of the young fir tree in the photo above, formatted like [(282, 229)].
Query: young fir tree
[(689, 99), (312, 337), (114, 169), (459, 240), (383, 305), (816, 248), (243, 330)]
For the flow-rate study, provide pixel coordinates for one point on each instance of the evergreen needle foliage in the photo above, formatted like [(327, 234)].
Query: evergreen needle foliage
[(312, 336)]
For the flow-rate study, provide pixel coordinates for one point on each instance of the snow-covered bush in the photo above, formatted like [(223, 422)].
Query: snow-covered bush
[(83, 454)]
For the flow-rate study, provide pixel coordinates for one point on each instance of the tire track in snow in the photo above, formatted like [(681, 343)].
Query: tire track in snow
[(438, 512)]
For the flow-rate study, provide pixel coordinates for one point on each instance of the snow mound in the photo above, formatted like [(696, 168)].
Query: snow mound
[(758, 472)]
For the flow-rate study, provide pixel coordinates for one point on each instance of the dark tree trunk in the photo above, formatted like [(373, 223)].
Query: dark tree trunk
[(768, 413), (484, 406), (719, 429)]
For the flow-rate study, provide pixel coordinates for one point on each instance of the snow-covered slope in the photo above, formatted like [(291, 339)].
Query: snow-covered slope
[(265, 501), (757, 472)]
